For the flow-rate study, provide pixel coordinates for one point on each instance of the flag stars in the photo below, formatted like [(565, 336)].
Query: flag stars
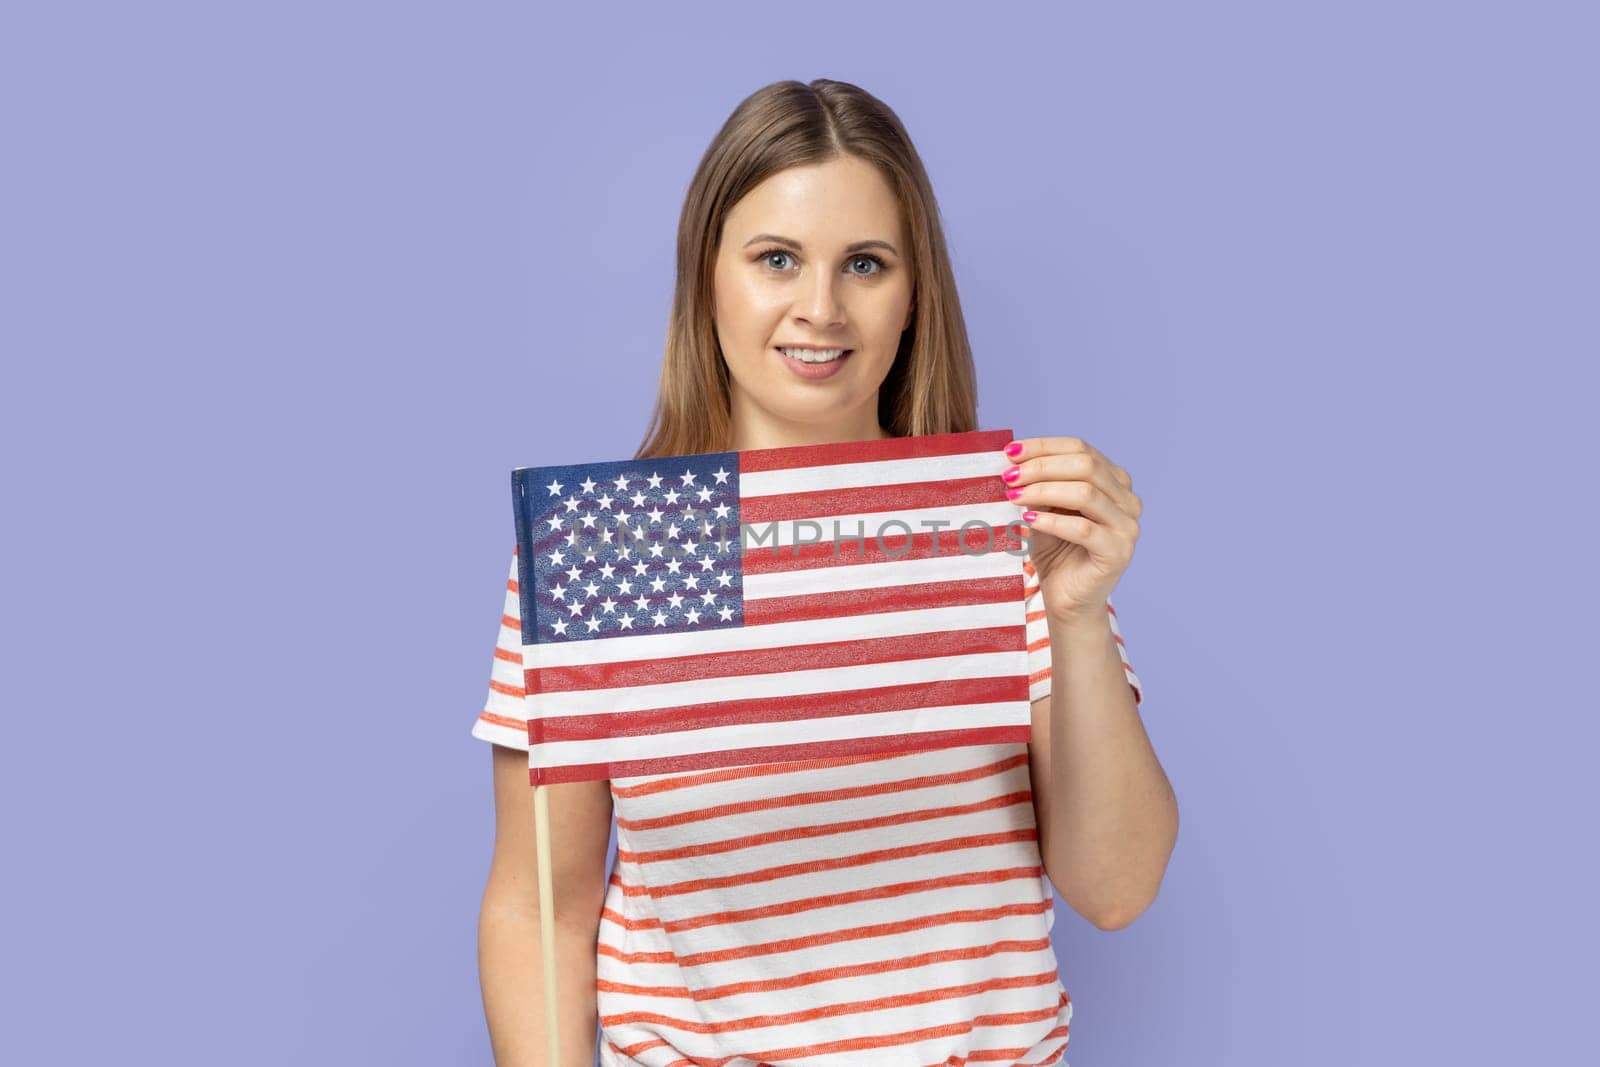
[(632, 538)]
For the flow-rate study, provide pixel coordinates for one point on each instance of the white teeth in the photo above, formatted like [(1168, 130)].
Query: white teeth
[(810, 355)]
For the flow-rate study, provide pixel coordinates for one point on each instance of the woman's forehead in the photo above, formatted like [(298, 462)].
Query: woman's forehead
[(829, 204)]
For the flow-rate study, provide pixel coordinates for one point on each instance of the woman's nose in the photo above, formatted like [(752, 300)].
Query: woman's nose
[(821, 306)]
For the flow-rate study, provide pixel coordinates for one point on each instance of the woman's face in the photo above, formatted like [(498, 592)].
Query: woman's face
[(815, 257)]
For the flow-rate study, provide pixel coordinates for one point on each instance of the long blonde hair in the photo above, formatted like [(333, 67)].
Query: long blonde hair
[(931, 386)]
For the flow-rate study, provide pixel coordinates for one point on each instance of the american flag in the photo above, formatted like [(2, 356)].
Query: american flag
[(733, 608)]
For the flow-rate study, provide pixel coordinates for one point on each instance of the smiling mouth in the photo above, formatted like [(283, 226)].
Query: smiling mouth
[(816, 355)]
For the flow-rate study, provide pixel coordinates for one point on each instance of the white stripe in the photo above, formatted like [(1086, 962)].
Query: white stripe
[(621, 700), (919, 469), (833, 728), (762, 536), (774, 635), (946, 567)]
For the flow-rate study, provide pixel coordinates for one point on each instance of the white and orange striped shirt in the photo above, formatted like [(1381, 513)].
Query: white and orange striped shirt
[(821, 911)]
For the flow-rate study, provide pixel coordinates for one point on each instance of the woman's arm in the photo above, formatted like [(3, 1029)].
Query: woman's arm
[(1108, 817), (510, 964)]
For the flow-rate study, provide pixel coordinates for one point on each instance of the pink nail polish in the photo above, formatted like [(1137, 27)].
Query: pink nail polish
[(1010, 473), (1029, 516), (1012, 492), (1014, 449)]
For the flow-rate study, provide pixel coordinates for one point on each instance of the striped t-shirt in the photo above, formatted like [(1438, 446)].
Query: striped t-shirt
[(825, 911)]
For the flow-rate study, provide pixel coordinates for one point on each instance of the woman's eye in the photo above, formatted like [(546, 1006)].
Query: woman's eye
[(873, 262)]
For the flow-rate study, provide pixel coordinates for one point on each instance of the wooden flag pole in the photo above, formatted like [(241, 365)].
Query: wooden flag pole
[(547, 915)]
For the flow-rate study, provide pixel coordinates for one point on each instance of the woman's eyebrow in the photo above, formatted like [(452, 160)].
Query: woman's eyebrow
[(792, 243)]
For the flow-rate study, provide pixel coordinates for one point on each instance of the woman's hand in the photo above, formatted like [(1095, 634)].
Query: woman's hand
[(1084, 516)]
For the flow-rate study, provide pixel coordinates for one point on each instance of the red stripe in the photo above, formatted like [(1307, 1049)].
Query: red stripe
[(860, 1007), (939, 444), (583, 772), (869, 499), (809, 706), (769, 559), (803, 795), (797, 905), (843, 603), (810, 830), (876, 967), (736, 663)]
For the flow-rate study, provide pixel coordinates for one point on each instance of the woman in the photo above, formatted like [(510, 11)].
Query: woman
[(892, 908)]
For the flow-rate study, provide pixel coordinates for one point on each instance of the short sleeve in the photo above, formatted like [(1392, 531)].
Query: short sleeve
[(1039, 639), (503, 720)]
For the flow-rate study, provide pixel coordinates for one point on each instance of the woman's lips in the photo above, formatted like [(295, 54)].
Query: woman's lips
[(815, 372)]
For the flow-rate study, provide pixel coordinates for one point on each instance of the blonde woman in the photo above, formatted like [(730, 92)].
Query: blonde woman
[(891, 909)]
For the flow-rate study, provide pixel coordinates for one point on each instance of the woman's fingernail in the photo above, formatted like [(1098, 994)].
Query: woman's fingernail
[(1029, 516), (1014, 449), (1014, 491), (1011, 473)]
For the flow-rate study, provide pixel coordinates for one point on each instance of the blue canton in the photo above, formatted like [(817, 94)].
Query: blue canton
[(630, 547)]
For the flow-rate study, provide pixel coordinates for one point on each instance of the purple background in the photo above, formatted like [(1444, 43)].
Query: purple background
[(289, 290)]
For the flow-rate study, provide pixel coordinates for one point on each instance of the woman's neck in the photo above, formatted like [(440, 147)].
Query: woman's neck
[(757, 427), (776, 434)]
